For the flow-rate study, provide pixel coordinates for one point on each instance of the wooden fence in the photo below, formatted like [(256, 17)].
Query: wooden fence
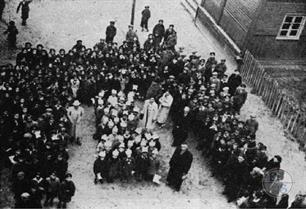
[(282, 105)]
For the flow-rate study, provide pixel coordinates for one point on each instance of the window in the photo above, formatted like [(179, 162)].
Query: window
[(292, 27)]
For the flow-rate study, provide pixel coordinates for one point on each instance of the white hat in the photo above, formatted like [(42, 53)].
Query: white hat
[(76, 103), (144, 149), (108, 144), (116, 120), (152, 143), (104, 137), (130, 143), (136, 109), (138, 139), (101, 93), (155, 151), (135, 87), (143, 143), (131, 117), (115, 153), (120, 138), (128, 152), (148, 136), (125, 112), (138, 130), (100, 101), (123, 124), (25, 195), (121, 145), (114, 91)]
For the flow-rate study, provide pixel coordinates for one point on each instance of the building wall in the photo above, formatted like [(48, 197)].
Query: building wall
[(214, 7), (236, 17), (262, 42)]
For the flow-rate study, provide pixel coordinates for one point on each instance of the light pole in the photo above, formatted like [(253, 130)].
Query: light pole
[(133, 12)]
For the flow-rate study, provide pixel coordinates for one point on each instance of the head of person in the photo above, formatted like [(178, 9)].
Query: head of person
[(76, 104), (184, 147), (160, 22), (68, 177)]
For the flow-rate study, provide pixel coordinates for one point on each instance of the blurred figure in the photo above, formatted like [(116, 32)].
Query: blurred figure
[(25, 9), (146, 14), (180, 164), (111, 32), (11, 35)]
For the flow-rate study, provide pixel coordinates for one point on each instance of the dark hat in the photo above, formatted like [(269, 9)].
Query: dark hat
[(131, 26), (12, 23), (160, 20), (39, 45), (79, 41), (147, 7), (171, 25), (68, 175), (112, 22), (212, 53)]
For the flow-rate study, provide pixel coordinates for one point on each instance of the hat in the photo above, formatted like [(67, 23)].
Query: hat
[(212, 53), (68, 175), (148, 136), (128, 152), (27, 135), (25, 195), (136, 109), (79, 41), (225, 88), (114, 91), (215, 73), (138, 130), (155, 151), (147, 7), (130, 143), (101, 94), (135, 87), (171, 77), (131, 26), (115, 153), (76, 103), (104, 137), (125, 112), (152, 143), (144, 149), (160, 20), (123, 124), (112, 22), (137, 139)]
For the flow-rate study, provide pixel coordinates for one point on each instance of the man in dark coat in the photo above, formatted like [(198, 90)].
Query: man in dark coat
[(66, 191), (111, 32), (158, 32), (11, 35), (146, 14), (180, 134), (2, 5), (234, 81), (180, 164), (25, 9)]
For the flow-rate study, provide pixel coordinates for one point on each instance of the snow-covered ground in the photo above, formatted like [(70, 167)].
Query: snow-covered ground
[(59, 23)]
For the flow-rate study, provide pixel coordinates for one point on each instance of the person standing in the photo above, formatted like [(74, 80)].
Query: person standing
[(131, 35), (11, 35), (158, 32), (180, 164), (75, 115), (165, 103), (25, 9), (66, 191), (111, 32), (2, 5), (146, 14), (149, 112)]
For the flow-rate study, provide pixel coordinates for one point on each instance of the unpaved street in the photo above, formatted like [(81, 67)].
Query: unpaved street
[(59, 23)]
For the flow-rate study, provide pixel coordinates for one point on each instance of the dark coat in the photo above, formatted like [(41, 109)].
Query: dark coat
[(146, 14), (111, 31), (181, 163), (66, 191), (159, 30), (25, 9)]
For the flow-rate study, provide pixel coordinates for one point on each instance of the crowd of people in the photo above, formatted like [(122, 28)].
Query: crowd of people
[(41, 114)]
